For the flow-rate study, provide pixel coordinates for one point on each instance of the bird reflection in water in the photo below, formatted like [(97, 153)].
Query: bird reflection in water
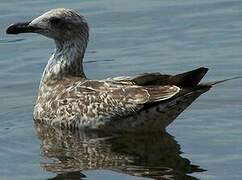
[(67, 153)]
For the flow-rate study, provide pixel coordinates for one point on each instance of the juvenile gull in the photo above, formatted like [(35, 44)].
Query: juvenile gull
[(67, 99)]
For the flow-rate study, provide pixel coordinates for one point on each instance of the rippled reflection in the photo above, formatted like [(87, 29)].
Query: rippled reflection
[(145, 155)]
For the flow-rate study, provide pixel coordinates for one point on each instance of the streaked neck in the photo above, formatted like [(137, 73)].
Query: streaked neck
[(66, 60)]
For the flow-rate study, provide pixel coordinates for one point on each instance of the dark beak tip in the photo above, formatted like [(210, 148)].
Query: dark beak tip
[(19, 28), (11, 29)]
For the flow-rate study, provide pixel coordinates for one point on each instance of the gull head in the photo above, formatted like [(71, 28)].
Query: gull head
[(59, 24)]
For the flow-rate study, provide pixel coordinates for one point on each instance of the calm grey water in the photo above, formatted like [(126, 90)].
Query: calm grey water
[(128, 37)]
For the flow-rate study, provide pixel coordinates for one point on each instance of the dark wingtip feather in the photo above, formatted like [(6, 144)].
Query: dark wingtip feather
[(190, 78)]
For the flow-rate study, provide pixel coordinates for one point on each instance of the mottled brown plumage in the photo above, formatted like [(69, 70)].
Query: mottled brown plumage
[(66, 98)]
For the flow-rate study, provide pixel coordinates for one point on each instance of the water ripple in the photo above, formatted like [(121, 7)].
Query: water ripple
[(3, 41)]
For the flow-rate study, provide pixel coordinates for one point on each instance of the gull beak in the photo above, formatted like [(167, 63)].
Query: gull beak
[(24, 27)]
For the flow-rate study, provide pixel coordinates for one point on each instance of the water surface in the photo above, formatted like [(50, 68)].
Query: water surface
[(127, 38)]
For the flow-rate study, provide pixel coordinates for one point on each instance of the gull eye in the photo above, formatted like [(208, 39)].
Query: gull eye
[(55, 21)]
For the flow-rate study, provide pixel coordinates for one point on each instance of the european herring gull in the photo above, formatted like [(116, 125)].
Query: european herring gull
[(68, 99)]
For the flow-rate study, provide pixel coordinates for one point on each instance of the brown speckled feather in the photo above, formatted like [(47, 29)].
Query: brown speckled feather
[(89, 103)]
